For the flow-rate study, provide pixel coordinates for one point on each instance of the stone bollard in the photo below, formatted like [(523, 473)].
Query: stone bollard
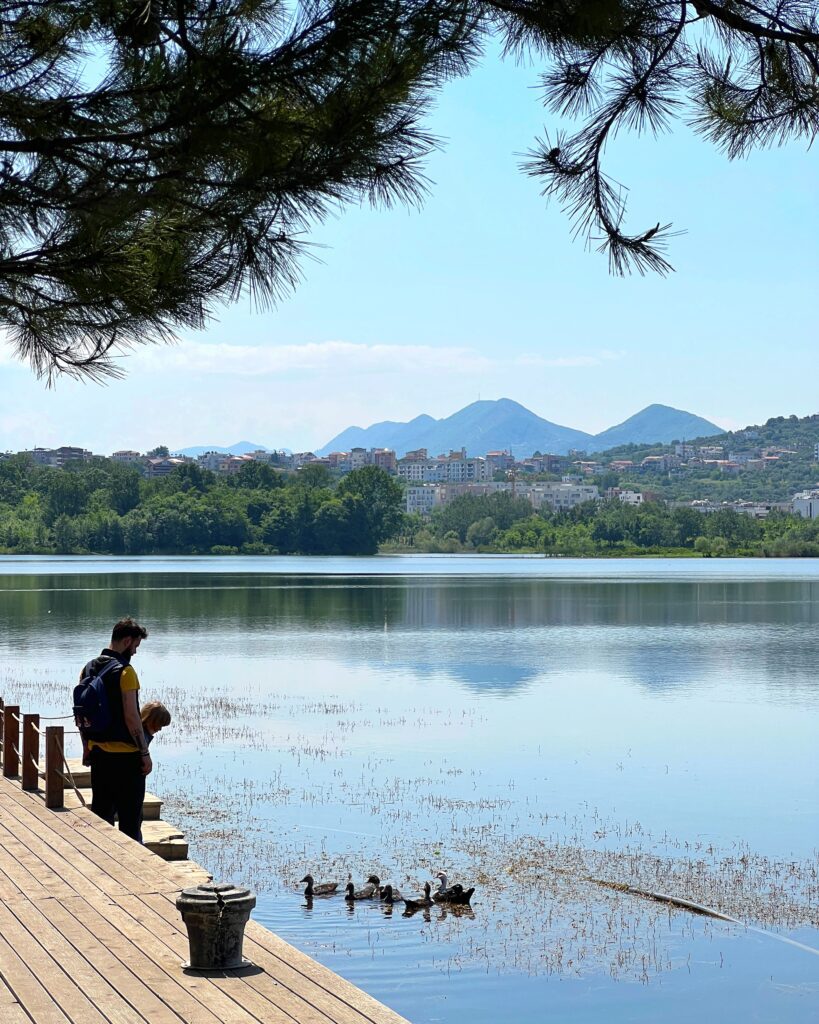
[(215, 916)]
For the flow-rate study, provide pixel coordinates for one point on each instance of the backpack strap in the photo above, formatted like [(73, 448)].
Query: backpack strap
[(87, 673)]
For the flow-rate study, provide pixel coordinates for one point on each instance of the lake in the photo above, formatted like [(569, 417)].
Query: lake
[(546, 729)]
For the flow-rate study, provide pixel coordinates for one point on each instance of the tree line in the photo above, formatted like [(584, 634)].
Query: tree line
[(503, 523), (104, 507), (107, 508)]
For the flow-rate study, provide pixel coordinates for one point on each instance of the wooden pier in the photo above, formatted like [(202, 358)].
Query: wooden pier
[(90, 934)]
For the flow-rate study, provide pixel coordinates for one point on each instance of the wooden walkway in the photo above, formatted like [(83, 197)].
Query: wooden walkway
[(90, 934)]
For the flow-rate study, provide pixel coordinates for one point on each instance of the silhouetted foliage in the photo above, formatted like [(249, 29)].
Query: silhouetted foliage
[(156, 158)]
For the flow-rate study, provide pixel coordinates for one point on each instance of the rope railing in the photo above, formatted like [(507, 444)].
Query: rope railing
[(11, 740), (22, 759), (70, 776), (31, 753)]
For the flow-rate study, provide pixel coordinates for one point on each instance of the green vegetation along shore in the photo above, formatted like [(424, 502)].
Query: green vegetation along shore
[(107, 508)]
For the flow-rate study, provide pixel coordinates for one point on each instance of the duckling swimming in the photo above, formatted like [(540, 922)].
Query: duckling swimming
[(388, 896), (420, 901), (366, 893)]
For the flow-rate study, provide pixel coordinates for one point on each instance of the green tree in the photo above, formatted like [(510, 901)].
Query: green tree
[(123, 489), (65, 535), (382, 499), (312, 477), (466, 509), (278, 529), (63, 493), (257, 476), (187, 477), (220, 131), (482, 531), (340, 527)]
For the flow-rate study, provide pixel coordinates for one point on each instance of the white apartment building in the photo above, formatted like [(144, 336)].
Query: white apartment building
[(806, 504), (214, 461), (358, 458), (556, 496), (56, 458), (128, 457), (455, 469), (421, 500), (627, 497)]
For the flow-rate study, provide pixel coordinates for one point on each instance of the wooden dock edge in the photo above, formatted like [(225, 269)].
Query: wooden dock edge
[(89, 932)]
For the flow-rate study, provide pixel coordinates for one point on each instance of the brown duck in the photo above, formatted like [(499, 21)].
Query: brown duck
[(420, 901), (366, 893), (322, 889)]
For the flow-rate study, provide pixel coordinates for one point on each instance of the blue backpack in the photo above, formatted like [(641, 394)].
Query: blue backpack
[(92, 711)]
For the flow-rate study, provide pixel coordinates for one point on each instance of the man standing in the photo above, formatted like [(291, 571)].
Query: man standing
[(119, 756)]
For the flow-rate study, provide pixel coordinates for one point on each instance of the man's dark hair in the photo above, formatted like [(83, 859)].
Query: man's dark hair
[(128, 627)]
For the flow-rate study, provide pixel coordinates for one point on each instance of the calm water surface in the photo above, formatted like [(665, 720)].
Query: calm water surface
[(503, 718)]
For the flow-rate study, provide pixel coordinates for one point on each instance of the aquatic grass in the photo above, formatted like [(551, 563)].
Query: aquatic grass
[(547, 900)]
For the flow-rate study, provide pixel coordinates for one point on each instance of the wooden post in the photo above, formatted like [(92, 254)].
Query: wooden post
[(54, 781), (31, 753), (2, 706), (11, 741)]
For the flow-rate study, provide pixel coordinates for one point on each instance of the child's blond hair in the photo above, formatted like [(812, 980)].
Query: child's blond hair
[(155, 715)]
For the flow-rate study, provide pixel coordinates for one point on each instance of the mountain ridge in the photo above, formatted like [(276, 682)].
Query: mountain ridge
[(240, 448), (503, 424)]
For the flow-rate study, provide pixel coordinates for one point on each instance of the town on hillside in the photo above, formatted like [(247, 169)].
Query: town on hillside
[(546, 481)]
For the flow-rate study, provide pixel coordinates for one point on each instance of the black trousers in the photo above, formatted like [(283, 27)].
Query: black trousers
[(118, 789)]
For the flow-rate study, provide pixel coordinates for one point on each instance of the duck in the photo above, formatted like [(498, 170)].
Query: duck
[(444, 891), (420, 901), (322, 889), (451, 894), (463, 896), (394, 893), (366, 893), (389, 896)]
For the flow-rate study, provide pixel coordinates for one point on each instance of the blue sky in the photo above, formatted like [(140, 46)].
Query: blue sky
[(483, 293)]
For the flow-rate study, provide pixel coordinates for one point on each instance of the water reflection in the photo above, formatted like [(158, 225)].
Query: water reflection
[(255, 603), (496, 636), (404, 722)]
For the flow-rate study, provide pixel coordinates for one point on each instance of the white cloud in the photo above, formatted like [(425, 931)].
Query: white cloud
[(338, 357), (570, 361)]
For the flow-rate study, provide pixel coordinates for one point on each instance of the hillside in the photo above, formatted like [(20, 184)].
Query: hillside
[(652, 424), (791, 473)]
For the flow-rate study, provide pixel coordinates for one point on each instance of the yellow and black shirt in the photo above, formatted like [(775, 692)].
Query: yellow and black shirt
[(116, 683)]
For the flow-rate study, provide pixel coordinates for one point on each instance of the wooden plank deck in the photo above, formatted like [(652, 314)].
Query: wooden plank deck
[(90, 934)]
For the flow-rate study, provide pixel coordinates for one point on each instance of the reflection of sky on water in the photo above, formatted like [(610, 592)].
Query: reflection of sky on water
[(691, 705), (691, 677)]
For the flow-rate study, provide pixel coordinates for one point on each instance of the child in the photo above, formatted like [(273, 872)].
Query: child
[(155, 716)]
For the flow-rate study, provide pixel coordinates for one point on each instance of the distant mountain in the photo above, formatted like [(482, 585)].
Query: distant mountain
[(480, 427), (655, 423), (390, 434), (240, 448), (507, 425)]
